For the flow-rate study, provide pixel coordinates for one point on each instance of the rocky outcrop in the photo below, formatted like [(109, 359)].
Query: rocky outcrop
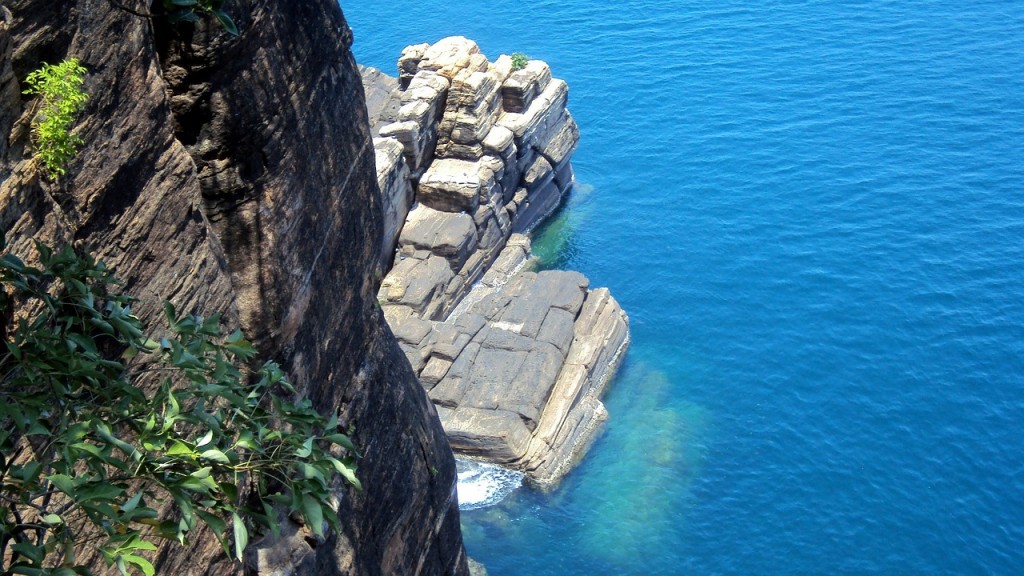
[(467, 155), (517, 376), (236, 175), (514, 360)]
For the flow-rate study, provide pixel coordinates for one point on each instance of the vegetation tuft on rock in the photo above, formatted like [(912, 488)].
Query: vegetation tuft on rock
[(60, 88), (519, 61)]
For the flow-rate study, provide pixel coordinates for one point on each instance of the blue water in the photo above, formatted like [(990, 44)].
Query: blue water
[(814, 214)]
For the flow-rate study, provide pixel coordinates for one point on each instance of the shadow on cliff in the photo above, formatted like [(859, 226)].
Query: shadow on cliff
[(235, 175), (276, 125)]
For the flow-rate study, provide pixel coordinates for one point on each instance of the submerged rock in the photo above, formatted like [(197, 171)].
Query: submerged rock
[(515, 361), (476, 568)]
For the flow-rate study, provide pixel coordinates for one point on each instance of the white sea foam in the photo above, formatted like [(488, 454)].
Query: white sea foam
[(482, 485)]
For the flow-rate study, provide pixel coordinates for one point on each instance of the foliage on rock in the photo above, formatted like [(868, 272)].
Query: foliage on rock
[(519, 61), (60, 88), (87, 457), (191, 10)]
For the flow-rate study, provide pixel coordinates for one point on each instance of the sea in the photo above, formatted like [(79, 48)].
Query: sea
[(813, 213)]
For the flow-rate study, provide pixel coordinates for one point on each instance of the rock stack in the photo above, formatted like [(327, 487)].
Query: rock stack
[(471, 155)]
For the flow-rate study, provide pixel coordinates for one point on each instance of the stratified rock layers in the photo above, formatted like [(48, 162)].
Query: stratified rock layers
[(514, 360)]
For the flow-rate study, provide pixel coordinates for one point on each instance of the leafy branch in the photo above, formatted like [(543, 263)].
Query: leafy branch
[(191, 10), (81, 444)]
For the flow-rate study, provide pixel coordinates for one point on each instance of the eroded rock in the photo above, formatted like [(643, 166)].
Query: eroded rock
[(546, 345), (449, 56)]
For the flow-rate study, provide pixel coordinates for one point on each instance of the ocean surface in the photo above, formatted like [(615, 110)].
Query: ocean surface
[(813, 213)]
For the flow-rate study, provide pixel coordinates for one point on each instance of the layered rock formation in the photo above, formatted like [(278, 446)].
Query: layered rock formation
[(236, 175), (514, 360)]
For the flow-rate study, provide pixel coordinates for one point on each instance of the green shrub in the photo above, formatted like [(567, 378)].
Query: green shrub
[(81, 444), (186, 11), (189, 11), (519, 61), (60, 88)]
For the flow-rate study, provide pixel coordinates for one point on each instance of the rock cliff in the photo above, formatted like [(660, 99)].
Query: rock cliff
[(471, 155), (236, 175)]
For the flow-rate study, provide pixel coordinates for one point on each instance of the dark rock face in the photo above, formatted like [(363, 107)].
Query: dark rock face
[(236, 175), (515, 361)]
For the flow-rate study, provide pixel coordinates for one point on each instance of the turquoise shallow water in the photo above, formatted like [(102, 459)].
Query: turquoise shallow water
[(814, 214)]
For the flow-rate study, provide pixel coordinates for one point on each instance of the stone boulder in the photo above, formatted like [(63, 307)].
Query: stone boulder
[(522, 86), (450, 235), (409, 63), (415, 124), (451, 55), (453, 185)]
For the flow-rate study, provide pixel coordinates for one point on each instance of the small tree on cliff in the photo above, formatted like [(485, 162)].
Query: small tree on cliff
[(61, 98), (187, 11), (87, 457)]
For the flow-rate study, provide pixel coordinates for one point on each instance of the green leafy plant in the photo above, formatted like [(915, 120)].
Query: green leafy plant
[(60, 88), (186, 11), (84, 451), (191, 10), (519, 61)]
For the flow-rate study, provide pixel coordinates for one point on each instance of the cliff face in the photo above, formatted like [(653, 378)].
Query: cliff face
[(236, 175)]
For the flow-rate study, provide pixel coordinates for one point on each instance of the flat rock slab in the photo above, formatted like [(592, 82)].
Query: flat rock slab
[(395, 190), (382, 97), (542, 350), (517, 372), (413, 282)]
